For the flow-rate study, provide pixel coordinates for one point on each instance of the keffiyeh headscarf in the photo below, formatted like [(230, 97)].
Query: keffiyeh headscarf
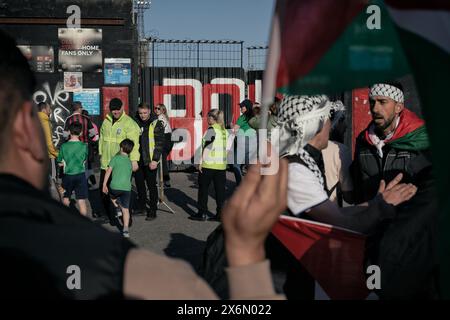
[(301, 118), (389, 91), (386, 90)]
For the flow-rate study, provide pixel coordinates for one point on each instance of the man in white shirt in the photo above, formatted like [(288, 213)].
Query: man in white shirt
[(305, 126)]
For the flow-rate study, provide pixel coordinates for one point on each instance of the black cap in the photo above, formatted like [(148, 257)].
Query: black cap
[(115, 104), (246, 103)]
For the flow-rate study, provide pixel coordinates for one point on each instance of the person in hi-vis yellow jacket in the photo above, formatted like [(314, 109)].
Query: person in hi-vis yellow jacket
[(116, 127), (213, 165), (44, 116)]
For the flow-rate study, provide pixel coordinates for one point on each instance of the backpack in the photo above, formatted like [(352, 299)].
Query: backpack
[(215, 262)]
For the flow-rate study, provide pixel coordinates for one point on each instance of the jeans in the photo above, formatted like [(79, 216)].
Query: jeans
[(243, 154)]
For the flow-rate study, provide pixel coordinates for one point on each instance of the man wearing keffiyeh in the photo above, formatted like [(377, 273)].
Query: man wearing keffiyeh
[(396, 142), (304, 132)]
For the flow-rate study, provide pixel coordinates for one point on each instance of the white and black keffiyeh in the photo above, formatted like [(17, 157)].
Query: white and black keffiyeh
[(301, 118), (338, 112), (311, 165), (377, 142), (386, 90)]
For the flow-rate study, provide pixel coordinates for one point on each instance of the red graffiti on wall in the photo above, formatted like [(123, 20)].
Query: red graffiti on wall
[(198, 100)]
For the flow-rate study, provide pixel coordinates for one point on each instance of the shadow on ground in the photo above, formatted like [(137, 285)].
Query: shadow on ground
[(182, 200)]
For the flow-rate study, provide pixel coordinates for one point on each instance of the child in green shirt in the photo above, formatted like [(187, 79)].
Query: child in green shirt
[(120, 187), (72, 157)]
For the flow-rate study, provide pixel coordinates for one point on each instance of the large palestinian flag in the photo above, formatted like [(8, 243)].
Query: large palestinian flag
[(329, 46), (333, 256)]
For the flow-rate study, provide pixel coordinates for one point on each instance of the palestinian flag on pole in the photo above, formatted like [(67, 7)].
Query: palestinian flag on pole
[(328, 46)]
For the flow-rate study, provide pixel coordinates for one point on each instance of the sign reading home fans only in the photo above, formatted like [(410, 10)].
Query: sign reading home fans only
[(80, 50)]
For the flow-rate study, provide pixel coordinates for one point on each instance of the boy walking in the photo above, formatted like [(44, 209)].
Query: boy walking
[(72, 157), (120, 187)]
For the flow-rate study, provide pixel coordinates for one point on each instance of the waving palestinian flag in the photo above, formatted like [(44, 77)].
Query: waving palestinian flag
[(328, 46)]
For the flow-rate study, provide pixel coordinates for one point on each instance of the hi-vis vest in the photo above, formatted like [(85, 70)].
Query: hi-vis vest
[(151, 138), (216, 158)]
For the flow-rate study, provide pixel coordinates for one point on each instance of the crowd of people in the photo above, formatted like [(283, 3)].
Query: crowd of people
[(148, 142), (388, 189), (127, 147), (41, 239), (386, 192)]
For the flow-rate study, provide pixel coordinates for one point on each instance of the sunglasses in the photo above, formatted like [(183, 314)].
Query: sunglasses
[(157, 108)]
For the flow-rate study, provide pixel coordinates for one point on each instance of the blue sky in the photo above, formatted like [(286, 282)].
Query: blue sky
[(246, 20)]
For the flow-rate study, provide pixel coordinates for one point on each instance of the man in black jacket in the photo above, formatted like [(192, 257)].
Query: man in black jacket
[(151, 145), (396, 142)]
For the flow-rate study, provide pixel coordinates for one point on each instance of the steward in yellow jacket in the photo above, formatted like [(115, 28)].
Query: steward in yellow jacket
[(213, 166), (116, 127), (44, 117)]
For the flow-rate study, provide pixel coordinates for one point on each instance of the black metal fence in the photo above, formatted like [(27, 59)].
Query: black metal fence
[(195, 53), (256, 57)]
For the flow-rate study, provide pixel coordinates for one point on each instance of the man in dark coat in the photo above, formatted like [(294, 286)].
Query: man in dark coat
[(151, 145), (396, 142)]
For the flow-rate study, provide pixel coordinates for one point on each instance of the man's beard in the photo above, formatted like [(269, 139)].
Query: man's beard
[(381, 128)]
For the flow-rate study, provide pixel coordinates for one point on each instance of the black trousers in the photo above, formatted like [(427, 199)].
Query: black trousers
[(218, 177), (146, 176), (165, 166)]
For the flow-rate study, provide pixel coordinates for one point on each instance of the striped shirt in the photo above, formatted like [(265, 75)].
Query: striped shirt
[(88, 129)]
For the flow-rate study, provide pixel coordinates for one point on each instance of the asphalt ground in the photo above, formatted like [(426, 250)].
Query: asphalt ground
[(171, 234)]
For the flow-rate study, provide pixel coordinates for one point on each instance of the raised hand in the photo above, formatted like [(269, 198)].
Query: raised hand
[(391, 184), (251, 212), (395, 192)]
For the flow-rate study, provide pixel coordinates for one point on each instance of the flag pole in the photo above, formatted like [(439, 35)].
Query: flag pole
[(268, 94), (161, 187), (270, 73)]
